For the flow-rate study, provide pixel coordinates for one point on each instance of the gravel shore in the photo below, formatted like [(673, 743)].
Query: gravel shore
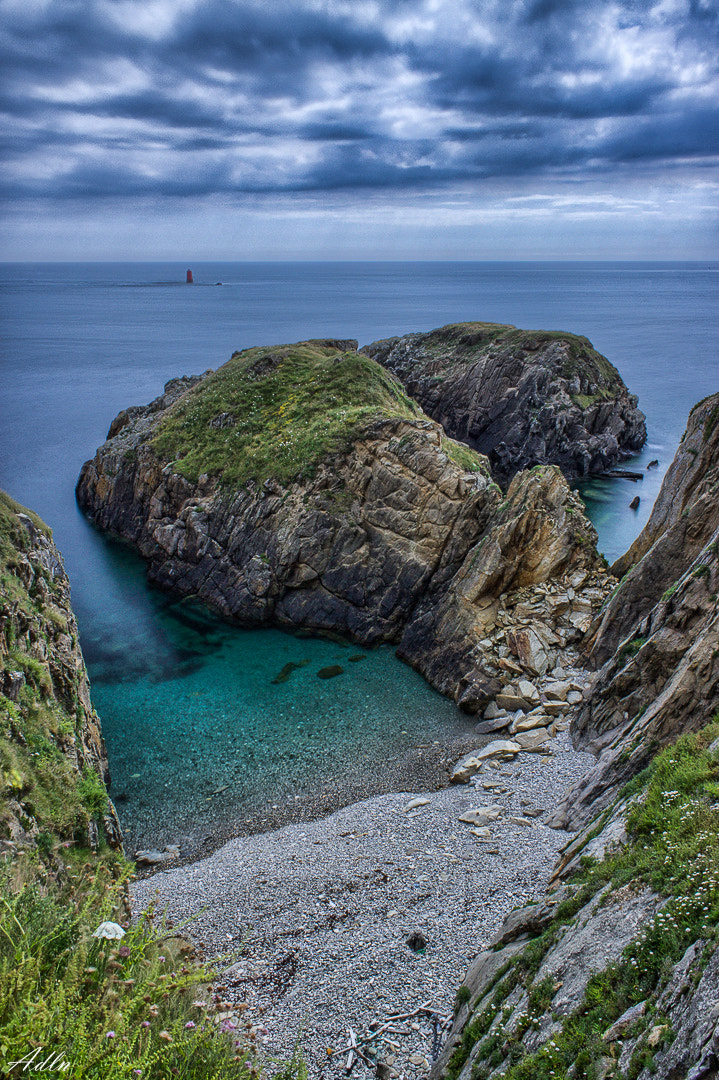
[(312, 920)]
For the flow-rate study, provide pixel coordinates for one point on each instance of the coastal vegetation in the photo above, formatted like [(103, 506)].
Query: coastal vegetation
[(277, 413)]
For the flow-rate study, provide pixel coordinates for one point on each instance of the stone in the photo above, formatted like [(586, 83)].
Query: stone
[(486, 727), (530, 740), (557, 689), (493, 711), (481, 814), (574, 697), (532, 720), (528, 691), (414, 804), (511, 702), (530, 650), (481, 831), (520, 821), (624, 1022), (417, 941), (634, 504)]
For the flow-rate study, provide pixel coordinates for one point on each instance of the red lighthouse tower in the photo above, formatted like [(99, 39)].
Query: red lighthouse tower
[(189, 278)]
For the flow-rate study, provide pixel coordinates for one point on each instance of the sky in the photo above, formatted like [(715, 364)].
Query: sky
[(359, 129)]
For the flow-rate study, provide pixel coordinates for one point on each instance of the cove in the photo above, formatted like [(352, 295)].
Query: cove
[(214, 730)]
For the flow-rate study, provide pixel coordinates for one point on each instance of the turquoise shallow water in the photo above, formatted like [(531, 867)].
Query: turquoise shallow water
[(213, 727), (187, 703)]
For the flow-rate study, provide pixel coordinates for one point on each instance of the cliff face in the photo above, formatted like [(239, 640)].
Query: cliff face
[(52, 756), (378, 527), (683, 521), (521, 397), (658, 638)]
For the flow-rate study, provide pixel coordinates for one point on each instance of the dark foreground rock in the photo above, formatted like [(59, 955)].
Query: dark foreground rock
[(393, 532), (53, 762), (521, 397)]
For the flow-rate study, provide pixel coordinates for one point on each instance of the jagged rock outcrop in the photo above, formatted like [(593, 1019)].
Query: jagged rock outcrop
[(520, 397), (660, 630), (682, 522), (380, 528), (53, 762)]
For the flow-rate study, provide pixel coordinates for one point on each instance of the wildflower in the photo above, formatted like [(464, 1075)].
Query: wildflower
[(124, 950), (161, 959), (190, 1024), (166, 1036), (110, 930), (145, 1023), (109, 1034), (200, 1004)]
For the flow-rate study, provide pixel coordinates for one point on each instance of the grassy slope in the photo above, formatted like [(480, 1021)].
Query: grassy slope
[(107, 1009), (33, 768), (288, 412)]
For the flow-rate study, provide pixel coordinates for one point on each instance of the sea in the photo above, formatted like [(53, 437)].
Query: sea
[(201, 736)]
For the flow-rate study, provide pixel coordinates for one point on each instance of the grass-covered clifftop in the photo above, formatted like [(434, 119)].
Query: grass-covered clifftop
[(277, 412)]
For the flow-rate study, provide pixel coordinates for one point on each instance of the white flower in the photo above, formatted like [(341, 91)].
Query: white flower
[(111, 930)]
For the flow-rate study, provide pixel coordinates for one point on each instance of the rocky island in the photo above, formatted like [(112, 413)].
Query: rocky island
[(521, 397), (301, 487)]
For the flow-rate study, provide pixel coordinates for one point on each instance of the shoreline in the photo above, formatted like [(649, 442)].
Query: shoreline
[(313, 918), (426, 766)]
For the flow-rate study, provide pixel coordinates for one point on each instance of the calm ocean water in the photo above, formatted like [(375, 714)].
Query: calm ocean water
[(187, 703)]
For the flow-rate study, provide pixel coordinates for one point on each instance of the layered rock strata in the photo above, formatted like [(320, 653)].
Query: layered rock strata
[(393, 533), (53, 761), (520, 397), (658, 637)]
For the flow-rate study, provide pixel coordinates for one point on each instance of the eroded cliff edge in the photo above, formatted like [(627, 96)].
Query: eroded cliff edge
[(521, 397), (53, 763), (301, 487)]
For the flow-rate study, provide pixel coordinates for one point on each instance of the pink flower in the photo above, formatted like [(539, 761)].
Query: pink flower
[(190, 1024), (145, 1023), (109, 1034)]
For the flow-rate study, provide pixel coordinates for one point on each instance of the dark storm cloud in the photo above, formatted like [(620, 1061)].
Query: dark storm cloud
[(195, 97)]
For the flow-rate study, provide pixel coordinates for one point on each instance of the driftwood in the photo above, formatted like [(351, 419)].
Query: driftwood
[(356, 1047)]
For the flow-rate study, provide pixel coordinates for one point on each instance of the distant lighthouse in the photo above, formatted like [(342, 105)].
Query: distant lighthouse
[(189, 279)]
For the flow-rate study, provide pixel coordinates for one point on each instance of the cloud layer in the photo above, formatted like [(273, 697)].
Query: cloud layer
[(204, 98)]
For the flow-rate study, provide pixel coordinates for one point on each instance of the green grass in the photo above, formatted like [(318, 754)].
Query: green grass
[(673, 849), (288, 412), (108, 1009)]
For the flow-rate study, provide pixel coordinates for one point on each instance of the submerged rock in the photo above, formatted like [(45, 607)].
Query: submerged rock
[(522, 397), (330, 672)]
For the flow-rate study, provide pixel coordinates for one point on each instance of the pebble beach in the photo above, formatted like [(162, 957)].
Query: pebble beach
[(358, 927)]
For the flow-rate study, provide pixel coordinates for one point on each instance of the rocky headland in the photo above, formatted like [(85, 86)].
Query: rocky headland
[(301, 487), (520, 397)]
